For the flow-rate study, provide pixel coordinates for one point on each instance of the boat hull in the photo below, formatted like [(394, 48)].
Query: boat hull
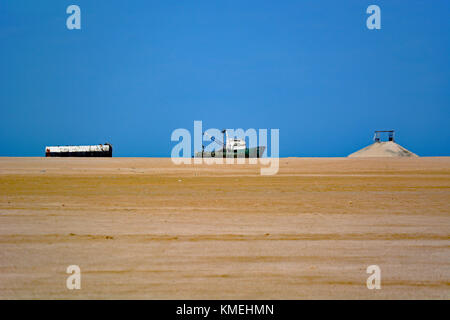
[(255, 152)]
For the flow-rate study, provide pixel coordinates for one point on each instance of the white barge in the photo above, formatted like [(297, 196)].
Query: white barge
[(99, 150)]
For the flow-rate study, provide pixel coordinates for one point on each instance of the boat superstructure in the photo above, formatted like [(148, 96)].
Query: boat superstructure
[(233, 147)]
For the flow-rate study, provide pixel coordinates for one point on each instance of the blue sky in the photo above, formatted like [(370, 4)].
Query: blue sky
[(137, 70)]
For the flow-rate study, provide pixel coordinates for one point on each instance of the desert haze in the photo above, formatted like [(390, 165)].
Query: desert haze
[(146, 228)]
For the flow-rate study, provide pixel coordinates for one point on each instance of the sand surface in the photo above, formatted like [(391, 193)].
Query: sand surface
[(145, 228)]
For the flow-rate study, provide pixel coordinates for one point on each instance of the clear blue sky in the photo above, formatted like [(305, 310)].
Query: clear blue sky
[(137, 70)]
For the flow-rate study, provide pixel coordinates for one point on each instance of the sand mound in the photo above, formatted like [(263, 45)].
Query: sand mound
[(383, 149)]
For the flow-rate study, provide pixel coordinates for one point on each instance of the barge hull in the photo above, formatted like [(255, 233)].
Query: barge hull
[(103, 151)]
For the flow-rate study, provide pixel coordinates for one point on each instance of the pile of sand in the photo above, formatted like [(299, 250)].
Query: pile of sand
[(383, 149)]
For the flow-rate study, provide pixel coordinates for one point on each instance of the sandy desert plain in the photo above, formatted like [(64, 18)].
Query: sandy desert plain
[(144, 228)]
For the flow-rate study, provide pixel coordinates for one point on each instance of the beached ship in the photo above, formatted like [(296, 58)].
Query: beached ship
[(99, 150), (233, 148)]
